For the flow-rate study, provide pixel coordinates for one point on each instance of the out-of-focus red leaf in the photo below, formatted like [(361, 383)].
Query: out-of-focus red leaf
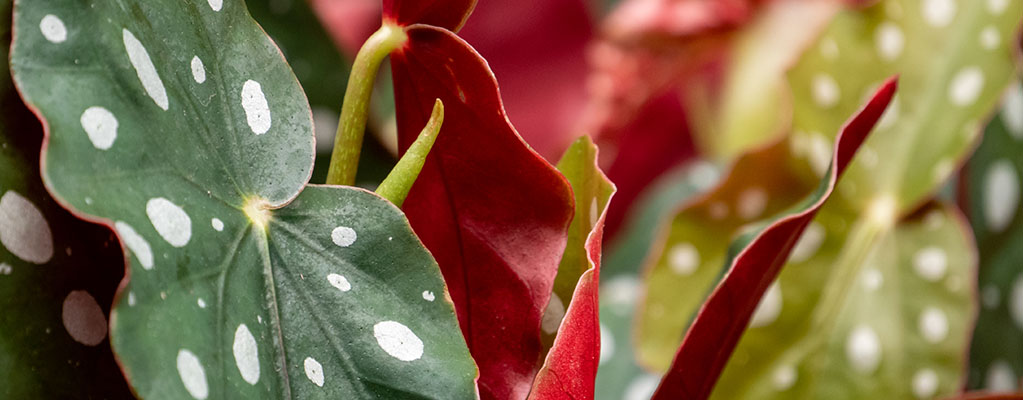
[(677, 18), (492, 211), (349, 22), (447, 14), (712, 337), (656, 141), (536, 49), (570, 369)]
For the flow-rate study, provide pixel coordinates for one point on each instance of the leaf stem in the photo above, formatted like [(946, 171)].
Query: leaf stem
[(398, 183), (344, 161)]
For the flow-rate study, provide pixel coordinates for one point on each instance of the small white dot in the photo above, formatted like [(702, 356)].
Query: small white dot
[(83, 319), (1001, 195), (939, 13), (966, 86), (170, 221), (24, 230), (825, 91), (683, 258), (990, 296), (131, 299), (6, 269), (398, 340), (930, 263), (216, 5), (198, 70), (100, 125), (53, 28), (217, 224), (997, 6), (145, 69), (808, 244), (872, 279), (553, 315), (829, 49), (136, 243), (769, 308), (257, 110), (314, 371), (1016, 301), (340, 282), (863, 349), (192, 374), (201, 303), (784, 377), (246, 354), (889, 40), (1000, 378), (990, 38), (752, 203), (428, 295), (607, 344), (933, 325), (343, 236), (925, 383), (1011, 115), (943, 168)]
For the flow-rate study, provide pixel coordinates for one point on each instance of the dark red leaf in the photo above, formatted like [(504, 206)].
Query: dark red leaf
[(448, 14), (721, 321), (492, 211)]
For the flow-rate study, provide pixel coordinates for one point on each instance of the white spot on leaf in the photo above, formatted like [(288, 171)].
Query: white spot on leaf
[(170, 221), (808, 244), (100, 125), (340, 282), (863, 349), (145, 69), (990, 296), (642, 388), (925, 383), (1000, 378), (257, 111), (933, 325), (607, 344), (872, 279), (784, 377), (966, 86), (683, 258), (428, 295), (889, 40), (53, 28), (192, 374), (6, 269), (553, 315), (23, 229), (216, 5), (1001, 195), (136, 243), (1016, 301), (83, 319), (990, 38), (769, 308), (1012, 111), (246, 354), (939, 13), (314, 371), (200, 302), (752, 203), (825, 91), (343, 236), (930, 263), (398, 340), (997, 6), (217, 224), (198, 70)]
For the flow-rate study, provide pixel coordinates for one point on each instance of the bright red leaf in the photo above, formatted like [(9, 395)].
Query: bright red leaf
[(448, 14), (492, 211), (714, 333)]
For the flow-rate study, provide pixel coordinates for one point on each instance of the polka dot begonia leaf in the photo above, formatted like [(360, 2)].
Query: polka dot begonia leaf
[(992, 199), (58, 274), (244, 283), (954, 58)]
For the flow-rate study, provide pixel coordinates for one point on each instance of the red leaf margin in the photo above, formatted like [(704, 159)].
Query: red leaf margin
[(723, 318), (492, 211), (570, 369)]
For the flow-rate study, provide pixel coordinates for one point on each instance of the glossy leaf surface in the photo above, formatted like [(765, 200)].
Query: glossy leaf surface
[(58, 275), (493, 212), (991, 189), (755, 259), (195, 151), (953, 58)]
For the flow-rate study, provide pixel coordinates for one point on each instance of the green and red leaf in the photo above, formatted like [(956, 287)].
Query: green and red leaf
[(570, 368), (197, 151), (492, 211), (723, 318)]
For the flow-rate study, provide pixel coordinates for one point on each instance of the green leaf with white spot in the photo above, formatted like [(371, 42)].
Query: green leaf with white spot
[(870, 313), (58, 274), (991, 186), (619, 376), (180, 125), (953, 58)]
